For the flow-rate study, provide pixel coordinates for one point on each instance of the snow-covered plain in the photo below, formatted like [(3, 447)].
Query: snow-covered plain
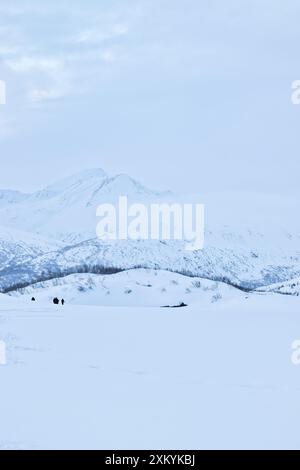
[(210, 375)]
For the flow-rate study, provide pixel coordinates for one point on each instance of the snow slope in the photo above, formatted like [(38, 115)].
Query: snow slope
[(217, 376), (237, 265), (18, 247), (66, 210), (291, 287), (137, 287), (8, 197)]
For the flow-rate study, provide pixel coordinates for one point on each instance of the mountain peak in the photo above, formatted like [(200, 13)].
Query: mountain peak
[(68, 207), (8, 196), (77, 178), (82, 178), (125, 184)]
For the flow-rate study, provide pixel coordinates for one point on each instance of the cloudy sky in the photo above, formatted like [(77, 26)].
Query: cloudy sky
[(188, 95)]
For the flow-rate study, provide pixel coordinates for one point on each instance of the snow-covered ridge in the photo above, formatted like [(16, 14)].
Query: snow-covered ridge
[(291, 287), (237, 267), (18, 247), (11, 197)]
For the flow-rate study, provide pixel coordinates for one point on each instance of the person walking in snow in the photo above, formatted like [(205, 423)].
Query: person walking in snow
[(63, 301)]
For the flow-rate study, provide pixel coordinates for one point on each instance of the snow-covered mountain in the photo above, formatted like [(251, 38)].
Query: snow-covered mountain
[(8, 197), (18, 247), (239, 267), (251, 240), (66, 210)]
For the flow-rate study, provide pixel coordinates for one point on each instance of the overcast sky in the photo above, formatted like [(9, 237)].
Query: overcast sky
[(188, 95)]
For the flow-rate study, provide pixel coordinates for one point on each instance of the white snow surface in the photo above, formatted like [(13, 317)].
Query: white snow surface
[(112, 368), (208, 376)]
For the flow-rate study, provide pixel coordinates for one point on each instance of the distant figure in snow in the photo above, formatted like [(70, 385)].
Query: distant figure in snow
[(32, 299), (175, 306), (56, 301), (63, 301)]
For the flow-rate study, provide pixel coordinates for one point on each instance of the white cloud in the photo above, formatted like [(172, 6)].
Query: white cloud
[(29, 64), (48, 63), (7, 127), (102, 34), (46, 94), (49, 76), (7, 51), (108, 56)]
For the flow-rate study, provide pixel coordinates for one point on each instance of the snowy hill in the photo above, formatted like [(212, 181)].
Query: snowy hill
[(238, 267), (291, 287), (140, 287)]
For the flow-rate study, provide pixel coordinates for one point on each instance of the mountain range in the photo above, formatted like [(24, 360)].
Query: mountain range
[(251, 240)]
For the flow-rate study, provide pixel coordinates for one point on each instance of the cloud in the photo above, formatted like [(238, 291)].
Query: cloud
[(49, 75), (92, 36), (29, 64), (7, 127), (51, 62), (7, 51), (14, 10), (46, 94)]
